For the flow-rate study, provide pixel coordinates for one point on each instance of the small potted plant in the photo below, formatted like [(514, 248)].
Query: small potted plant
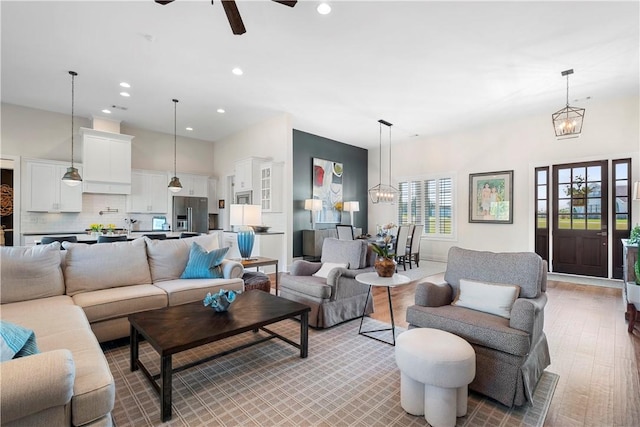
[(96, 229), (110, 229), (633, 289)]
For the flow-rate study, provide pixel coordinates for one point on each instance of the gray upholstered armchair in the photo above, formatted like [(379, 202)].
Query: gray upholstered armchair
[(338, 297), (511, 353)]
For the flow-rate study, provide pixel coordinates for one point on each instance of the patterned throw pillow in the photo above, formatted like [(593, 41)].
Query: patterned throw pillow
[(203, 264)]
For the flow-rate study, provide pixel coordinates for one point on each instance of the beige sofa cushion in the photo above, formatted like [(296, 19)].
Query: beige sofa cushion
[(168, 258), (182, 291), (105, 265), (30, 272), (117, 302)]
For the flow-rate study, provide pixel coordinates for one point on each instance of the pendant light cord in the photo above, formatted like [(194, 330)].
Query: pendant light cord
[(567, 90), (73, 76), (389, 156), (380, 161), (175, 131)]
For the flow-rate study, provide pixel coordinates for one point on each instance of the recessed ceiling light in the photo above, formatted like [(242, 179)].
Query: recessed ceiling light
[(237, 71), (220, 110), (324, 8), (125, 94), (106, 111), (189, 129), (125, 84)]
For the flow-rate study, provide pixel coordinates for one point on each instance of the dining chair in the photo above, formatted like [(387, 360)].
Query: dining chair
[(345, 232), (414, 251), (401, 251), (109, 239)]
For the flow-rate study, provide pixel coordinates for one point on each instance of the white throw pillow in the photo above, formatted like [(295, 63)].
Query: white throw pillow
[(327, 267), (492, 298)]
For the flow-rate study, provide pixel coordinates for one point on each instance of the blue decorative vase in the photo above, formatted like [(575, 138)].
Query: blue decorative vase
[(221, 301), (246, 236)]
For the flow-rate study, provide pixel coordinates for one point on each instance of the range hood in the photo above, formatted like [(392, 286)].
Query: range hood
[(106, 158)]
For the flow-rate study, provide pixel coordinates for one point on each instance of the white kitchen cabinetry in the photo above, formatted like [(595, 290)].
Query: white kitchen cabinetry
[(247, 176), (192, 185), (271, 186), (44, 190), (213, 195), (148, 193), (106, 158)]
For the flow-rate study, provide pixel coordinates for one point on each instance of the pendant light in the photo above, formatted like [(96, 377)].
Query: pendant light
[(174, 184), (567, 122), (72, 177), (383, 193)]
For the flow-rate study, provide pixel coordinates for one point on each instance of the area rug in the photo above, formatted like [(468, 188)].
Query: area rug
[(347, 380)]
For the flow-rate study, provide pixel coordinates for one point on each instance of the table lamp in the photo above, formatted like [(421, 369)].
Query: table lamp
[(244, 216), (352, 208), (313, 205)]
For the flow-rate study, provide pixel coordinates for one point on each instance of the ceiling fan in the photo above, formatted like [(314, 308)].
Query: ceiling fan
[(233, 15)]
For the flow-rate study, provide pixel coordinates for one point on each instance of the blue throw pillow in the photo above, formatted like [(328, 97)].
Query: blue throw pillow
[(203, 264), (16, 341)]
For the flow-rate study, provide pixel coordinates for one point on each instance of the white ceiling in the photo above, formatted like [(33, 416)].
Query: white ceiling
[(427, 67)]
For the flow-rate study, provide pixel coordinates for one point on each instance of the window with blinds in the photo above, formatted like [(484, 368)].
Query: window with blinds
[(428, 202)]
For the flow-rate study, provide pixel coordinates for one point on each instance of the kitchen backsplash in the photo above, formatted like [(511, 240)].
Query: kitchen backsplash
[(92, 204)]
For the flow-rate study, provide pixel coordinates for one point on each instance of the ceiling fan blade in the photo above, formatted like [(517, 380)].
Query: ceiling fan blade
[(163, 2), (233, 15), (289, 3)]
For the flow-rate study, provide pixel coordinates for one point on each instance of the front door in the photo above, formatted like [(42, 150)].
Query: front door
[(580, 219)]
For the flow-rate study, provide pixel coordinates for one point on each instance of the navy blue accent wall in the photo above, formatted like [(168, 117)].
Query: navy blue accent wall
[(354, 182)]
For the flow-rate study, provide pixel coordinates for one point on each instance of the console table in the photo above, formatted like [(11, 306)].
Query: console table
[(629, 276)]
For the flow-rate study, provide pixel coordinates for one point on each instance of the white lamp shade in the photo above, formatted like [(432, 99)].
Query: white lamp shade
[(352, 206), (245, 215), (313, 204)]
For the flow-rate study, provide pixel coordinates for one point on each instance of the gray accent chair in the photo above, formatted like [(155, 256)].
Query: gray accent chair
[(339, 297), (510, 353)]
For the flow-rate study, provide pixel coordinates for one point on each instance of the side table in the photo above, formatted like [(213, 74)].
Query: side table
[(261, 261), (372, 279)]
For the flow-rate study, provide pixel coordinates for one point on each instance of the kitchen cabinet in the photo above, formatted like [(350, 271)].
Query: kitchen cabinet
[(247, 175), (44, 190), (271, 186), (149, 193), (212, 185), (106, 158), (192, 185)]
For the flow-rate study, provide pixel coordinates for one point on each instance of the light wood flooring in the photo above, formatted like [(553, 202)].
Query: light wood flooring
[(597, 359)]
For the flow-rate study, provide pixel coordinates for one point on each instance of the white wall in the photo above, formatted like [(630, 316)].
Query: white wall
[(272, 139), (611, 130)]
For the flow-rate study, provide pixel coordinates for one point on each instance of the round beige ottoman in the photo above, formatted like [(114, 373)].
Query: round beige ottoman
[(436, 368)]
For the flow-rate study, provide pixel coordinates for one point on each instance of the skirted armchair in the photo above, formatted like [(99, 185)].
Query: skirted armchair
[(329, 287), (511, 347)]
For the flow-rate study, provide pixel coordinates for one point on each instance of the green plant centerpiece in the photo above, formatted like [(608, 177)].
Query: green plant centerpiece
[(384, 265), (634, 239)]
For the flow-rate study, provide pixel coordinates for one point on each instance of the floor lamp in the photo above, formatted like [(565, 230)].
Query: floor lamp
[(244, 216), (313, 205), (352, 208)]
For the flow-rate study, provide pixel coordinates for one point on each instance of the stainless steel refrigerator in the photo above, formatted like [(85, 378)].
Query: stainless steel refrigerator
[(190, 214)]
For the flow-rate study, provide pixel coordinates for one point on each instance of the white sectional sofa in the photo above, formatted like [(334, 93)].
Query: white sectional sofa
[(74, 299)]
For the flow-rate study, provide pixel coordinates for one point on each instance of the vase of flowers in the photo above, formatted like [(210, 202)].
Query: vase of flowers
[(384, 265), (110, 229), (96, 229)]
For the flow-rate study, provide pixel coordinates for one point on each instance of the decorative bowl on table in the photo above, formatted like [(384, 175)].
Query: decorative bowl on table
[(260, 228), (220, 301)]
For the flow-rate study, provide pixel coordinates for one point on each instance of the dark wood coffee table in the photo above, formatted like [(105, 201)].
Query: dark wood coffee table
[(174, 329)]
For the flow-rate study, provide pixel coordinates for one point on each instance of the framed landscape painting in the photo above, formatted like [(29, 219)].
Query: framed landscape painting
[(491, 197)]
